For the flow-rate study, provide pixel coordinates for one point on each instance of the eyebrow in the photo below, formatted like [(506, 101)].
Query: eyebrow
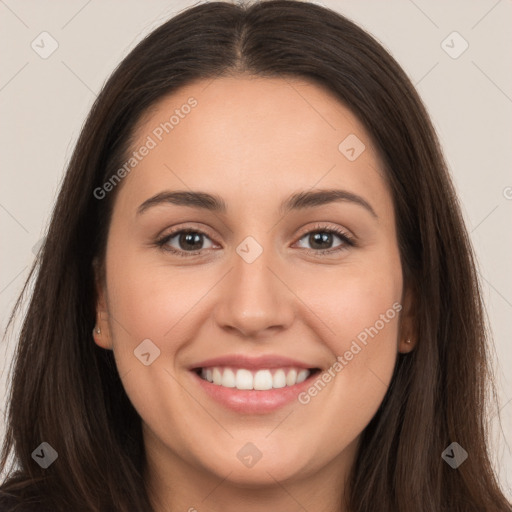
[(297, 201)]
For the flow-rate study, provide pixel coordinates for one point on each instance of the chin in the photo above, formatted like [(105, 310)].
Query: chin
[(246, 466)]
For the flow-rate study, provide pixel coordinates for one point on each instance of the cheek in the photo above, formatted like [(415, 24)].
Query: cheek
[(360, 305), (367, 317), (358, 300), (147, 299), (146, 303)]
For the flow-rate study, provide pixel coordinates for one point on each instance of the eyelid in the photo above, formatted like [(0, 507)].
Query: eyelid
[(348, 240), (190, 226), (319, 226)]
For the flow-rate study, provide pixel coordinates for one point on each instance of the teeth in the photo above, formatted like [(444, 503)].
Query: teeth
[(228, 379), (217, 376), (260, 380), (291, 378), (279, 379), (302, 376), (243, 380)]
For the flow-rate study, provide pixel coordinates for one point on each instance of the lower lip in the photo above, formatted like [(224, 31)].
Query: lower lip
[(252, 401)]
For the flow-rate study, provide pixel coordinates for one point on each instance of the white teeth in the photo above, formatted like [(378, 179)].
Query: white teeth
[(263, 380), (228, 379), (302, 376), (291, 378), (279, 379), (244, 379), (217, 376), (259, 380)]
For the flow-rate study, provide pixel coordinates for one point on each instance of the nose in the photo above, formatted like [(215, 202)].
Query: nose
[(255, 300)]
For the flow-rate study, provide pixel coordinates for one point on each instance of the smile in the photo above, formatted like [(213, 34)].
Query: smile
[(253, 384), (259, 380)]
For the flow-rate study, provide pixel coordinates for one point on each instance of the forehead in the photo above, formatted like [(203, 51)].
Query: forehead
[(251, 136)]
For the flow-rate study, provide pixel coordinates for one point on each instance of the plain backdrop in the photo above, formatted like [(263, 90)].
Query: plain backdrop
[(44, 101)]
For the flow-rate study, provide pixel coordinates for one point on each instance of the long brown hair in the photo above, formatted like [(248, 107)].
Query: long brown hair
[(66, 390)]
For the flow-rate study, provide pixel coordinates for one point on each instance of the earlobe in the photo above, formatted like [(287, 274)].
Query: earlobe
[(407, 337), (101, 331), (406, 346)]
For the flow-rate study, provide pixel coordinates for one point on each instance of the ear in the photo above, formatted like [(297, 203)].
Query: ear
[(407, 335), (101, 332)]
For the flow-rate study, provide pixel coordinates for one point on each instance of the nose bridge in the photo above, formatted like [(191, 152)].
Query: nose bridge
[(254, 299)]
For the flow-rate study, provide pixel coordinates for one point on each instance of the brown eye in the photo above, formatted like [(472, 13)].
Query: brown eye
[(321, 240), (184, 241)]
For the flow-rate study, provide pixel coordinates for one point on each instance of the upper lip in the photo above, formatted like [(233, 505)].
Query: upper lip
[(248, 362)]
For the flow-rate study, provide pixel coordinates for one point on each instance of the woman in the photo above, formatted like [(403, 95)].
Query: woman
[(191, 353)]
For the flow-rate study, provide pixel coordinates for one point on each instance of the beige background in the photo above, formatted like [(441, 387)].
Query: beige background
[(43, 103)]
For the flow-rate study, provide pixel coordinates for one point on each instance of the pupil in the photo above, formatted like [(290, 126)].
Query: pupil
[(189, 238), (321, 237)]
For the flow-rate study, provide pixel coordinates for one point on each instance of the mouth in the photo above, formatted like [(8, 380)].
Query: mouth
[(263, 379), (252, 385)]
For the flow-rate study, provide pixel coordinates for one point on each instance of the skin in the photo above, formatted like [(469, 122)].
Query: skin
[(253, 141)]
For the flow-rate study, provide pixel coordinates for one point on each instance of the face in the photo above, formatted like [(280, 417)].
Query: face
[(289, 303)]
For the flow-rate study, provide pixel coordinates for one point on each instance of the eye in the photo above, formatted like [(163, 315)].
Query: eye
[(188, 241), (321, 239)]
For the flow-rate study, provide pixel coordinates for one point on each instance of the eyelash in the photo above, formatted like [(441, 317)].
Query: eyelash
[(348, 241)]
